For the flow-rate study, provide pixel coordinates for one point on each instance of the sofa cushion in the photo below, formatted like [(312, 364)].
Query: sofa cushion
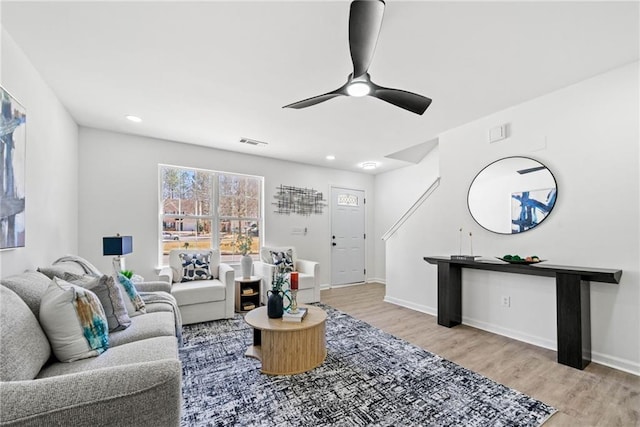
[(150, 325), (30, 286), (175, 261), (110, 296), (74, 321), (201, 291), (149, 350), (195, 267), (132, 300), (24, 348), (59, 269)]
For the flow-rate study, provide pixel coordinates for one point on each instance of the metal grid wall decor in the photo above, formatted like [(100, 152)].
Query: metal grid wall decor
[(302, 201)]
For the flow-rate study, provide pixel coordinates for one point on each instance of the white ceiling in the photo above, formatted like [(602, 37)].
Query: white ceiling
[(211, 72)]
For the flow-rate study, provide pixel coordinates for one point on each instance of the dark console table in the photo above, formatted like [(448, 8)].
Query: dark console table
[(572, 299)]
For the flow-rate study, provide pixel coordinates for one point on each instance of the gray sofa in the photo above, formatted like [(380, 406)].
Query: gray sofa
[(136, 382)]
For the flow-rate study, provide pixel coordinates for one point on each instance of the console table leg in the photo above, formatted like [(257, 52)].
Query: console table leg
[(573, 300), (449, 294)]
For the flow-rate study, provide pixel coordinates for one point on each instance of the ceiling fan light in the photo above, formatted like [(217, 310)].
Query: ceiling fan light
[(358, 89)]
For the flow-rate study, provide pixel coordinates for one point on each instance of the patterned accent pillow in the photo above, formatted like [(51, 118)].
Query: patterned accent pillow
[(74, 321), (283, 260), (132, 300), (110, 296), (195, 267)]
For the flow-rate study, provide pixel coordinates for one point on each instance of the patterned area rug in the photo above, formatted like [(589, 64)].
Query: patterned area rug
[(368, 378)]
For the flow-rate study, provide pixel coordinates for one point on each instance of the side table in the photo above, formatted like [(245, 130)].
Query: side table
[(287, 348), (247, 293)]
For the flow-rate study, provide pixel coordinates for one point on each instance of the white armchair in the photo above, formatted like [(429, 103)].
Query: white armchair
[(308, 272), (201, 300)]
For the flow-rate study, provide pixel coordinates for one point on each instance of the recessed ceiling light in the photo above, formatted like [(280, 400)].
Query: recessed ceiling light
[(369, 165), (134, 119), (331, 157)]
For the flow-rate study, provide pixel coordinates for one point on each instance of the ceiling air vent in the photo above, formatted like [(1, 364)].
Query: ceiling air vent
[(249, 141)]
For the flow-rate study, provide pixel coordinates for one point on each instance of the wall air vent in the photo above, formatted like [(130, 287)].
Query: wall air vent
[(249, 141)]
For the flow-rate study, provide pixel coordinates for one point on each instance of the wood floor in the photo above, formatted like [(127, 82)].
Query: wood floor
[(596, 396)]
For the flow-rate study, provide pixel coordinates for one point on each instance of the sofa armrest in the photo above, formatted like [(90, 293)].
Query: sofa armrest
[(140, 394), (166, 275), (155, 286), (227, 275)]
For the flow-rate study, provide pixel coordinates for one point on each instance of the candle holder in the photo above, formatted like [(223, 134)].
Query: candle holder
[(459, 256), (293, 308)]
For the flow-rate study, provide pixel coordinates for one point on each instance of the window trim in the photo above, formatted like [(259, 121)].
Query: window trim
[(214, 215)]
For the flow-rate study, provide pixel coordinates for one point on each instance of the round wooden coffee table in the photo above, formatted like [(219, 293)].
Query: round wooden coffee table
[(287, 348)]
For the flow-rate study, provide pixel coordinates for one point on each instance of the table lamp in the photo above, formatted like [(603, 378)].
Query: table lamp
[(117, 245)]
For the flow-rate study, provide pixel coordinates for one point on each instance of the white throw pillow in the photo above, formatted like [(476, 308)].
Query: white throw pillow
[(74, 321), (132, 299)]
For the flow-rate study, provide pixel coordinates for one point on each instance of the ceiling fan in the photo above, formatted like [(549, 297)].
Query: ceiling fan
[(365, 20)]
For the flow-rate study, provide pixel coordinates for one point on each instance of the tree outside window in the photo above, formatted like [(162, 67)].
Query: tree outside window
[(193, 200)]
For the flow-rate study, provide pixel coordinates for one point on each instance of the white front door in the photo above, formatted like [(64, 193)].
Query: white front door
[(347, 236)]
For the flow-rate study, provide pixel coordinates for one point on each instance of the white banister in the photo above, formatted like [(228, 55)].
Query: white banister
[(411, 210)]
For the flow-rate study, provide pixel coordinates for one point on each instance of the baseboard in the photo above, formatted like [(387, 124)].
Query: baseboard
[(376, 280), (412, 305), (620, 364), (511, 333), (346, 285)]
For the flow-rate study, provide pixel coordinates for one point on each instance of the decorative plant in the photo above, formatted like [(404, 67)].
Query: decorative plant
[(243, 243), (279, 279), (127, 273)]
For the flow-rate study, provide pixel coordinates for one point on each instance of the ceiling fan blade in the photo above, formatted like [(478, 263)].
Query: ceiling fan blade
[(316, 99), (365, 20), (401, 98)]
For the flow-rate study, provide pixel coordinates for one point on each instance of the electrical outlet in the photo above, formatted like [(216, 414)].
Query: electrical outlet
[(505, 301)]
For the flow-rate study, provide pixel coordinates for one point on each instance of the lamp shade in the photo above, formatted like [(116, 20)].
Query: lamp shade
[(117, 245)]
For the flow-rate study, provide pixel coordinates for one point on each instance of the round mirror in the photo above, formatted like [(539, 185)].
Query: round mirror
[(512, 195)]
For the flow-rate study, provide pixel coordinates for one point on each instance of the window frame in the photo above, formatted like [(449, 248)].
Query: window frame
[(214, 212)]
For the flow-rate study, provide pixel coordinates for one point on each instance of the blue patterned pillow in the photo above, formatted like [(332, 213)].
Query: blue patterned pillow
[(195, 267), (283, 260), (74, 321)]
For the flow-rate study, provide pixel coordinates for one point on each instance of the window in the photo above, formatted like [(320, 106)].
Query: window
[(202, 209)]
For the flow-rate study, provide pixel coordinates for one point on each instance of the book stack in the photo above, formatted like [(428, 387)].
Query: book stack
[(294, 317), (246, 306), (247, 291)]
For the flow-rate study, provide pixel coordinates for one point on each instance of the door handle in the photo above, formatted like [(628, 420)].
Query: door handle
[(333, 244)]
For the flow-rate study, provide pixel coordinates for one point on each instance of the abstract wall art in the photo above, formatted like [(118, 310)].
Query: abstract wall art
[(530, 208), (13, 140), (302, 201)]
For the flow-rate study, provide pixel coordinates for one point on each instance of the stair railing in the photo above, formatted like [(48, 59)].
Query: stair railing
[(411, 210)]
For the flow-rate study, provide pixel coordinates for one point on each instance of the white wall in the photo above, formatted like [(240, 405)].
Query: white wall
[(400, 189), (587, 134), (51, 167), (119, 194)]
